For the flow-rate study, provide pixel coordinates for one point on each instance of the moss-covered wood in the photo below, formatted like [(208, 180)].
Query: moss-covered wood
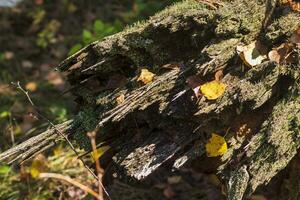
[(162, 124)]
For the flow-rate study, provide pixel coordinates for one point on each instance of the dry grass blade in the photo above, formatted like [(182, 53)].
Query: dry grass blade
[(71, 181), (92, 136)]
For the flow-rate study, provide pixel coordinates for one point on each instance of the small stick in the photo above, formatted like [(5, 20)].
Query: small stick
[(100, 171), (71, 181)]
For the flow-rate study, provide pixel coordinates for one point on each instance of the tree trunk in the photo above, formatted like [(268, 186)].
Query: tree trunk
[(162, 125)]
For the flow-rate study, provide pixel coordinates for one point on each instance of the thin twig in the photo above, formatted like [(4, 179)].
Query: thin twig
[(71, 181), (39, 114), (100, 171)]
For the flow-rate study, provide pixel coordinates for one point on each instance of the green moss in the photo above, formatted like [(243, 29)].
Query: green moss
[(281, 28), (86, 121)]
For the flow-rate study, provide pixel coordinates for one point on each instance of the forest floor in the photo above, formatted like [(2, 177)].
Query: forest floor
[(35, 37)]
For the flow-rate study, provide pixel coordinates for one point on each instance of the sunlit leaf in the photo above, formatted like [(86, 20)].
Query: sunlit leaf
[(4, 169), (120, 99), (31, 86), (38, 165), (252, 54), (146, 76), (98, 26), (58, 150), (60, 112), (100, 152), (216, 146), (4, 114), (74, 49), (213, 90), (87, 36)]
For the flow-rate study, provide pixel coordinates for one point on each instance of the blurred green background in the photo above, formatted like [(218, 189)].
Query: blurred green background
[(35, 36)]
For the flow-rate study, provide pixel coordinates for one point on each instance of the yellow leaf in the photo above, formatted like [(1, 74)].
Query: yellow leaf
[(100, 151), (252, 54), (31, 86), (58, 150), (216, 146), (213, 90), (146, 76), (38, 165), (120, 99)]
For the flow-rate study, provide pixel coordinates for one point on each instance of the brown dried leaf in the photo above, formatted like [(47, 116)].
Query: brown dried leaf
[(6, 89), (295, 38), (282, 54), (219, 75), (194, 83)]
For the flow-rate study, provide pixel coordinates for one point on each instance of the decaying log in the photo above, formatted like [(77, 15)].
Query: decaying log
[(163, 124)]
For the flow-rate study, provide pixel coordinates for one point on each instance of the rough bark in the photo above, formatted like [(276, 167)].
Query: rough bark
[(162, 123)]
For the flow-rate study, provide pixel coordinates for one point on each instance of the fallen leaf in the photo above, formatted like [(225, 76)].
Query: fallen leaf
[(219, 75), (282, 54), (146, 76), (294, 5), (295, 38), (100, 152), (193, 82), (213, 90), (5, 114), (216, 146), (55, 78), (8, 55), (31, 86), (4, 169), (120, 99), (39, 2), (57, 151), (38, 165), (16, 130), (27, 64), (252, 54), (6, 89)]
